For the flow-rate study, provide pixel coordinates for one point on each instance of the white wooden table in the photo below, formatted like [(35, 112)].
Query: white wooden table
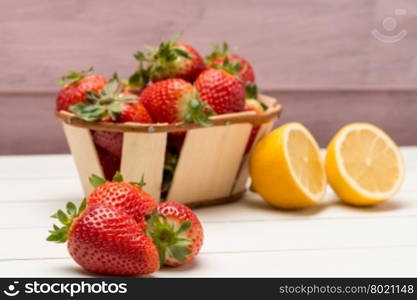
[(243, 239)]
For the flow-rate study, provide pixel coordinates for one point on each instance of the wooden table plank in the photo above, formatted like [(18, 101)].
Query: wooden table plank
[(37, 166), (255, 236), (368, 262), (249, 209), (40, 190)]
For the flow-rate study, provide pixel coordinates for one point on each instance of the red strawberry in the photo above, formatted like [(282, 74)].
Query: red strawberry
[(74, 91), (111, 104), (221, 90), (220, 53), (176, 140), (109, 162), (134, 112), (105, 240), (69, 96), (109, 140), (126, 196), (176, 232), (172, 59), (175, 100), (245, 69)]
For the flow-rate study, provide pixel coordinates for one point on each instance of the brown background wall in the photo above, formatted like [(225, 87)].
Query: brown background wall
[(318, 57)]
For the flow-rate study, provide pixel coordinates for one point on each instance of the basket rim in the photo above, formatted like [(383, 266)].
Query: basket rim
[(274, 111)]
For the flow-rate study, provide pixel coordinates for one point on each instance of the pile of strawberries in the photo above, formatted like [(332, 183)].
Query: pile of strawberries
[(121, 230), (171, 84)]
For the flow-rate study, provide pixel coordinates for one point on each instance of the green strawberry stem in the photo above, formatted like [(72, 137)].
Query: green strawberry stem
[(198, 112), (231, 67), (141, 77), (222, 51), (96, 180), (264, 106), (219, 50), (169, 240), (107, 103), (72, 77), (251, 90), (60, 234)]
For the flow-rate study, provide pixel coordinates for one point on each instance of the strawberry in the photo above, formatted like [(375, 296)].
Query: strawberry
[(75, 87), (128, 197), (176, 140), (172, 59), (175, 100), (134, 112), (109, 140), (221, 52), (221, 90), (252, 104), (176, 232), (105, 240), (110, 104), (109, 162)]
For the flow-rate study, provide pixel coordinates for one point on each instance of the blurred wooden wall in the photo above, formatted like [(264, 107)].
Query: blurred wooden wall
[(318, 57)]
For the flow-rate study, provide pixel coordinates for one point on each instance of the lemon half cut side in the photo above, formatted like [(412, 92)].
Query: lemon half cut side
[(364, 165)]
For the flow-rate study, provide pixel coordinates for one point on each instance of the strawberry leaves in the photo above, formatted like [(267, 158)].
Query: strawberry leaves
[(141, 77), (184, 227), (60, 234), (105, 104), (168, 51), (198, 112), (88, 112), (118, 177), (139, 184), (72, 77), (193, 110), (231, 67), (251, 91), (219, 50), (96, 180), (169, 240)]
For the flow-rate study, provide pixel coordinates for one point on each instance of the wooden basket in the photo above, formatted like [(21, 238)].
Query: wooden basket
[(212, 167)]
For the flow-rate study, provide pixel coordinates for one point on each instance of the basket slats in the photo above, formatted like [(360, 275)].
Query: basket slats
[(209, 162), (243, 175), (85, 155), (144, 154)]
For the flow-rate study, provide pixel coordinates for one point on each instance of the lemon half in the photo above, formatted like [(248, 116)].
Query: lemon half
[(364, 165), (286, 168)]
